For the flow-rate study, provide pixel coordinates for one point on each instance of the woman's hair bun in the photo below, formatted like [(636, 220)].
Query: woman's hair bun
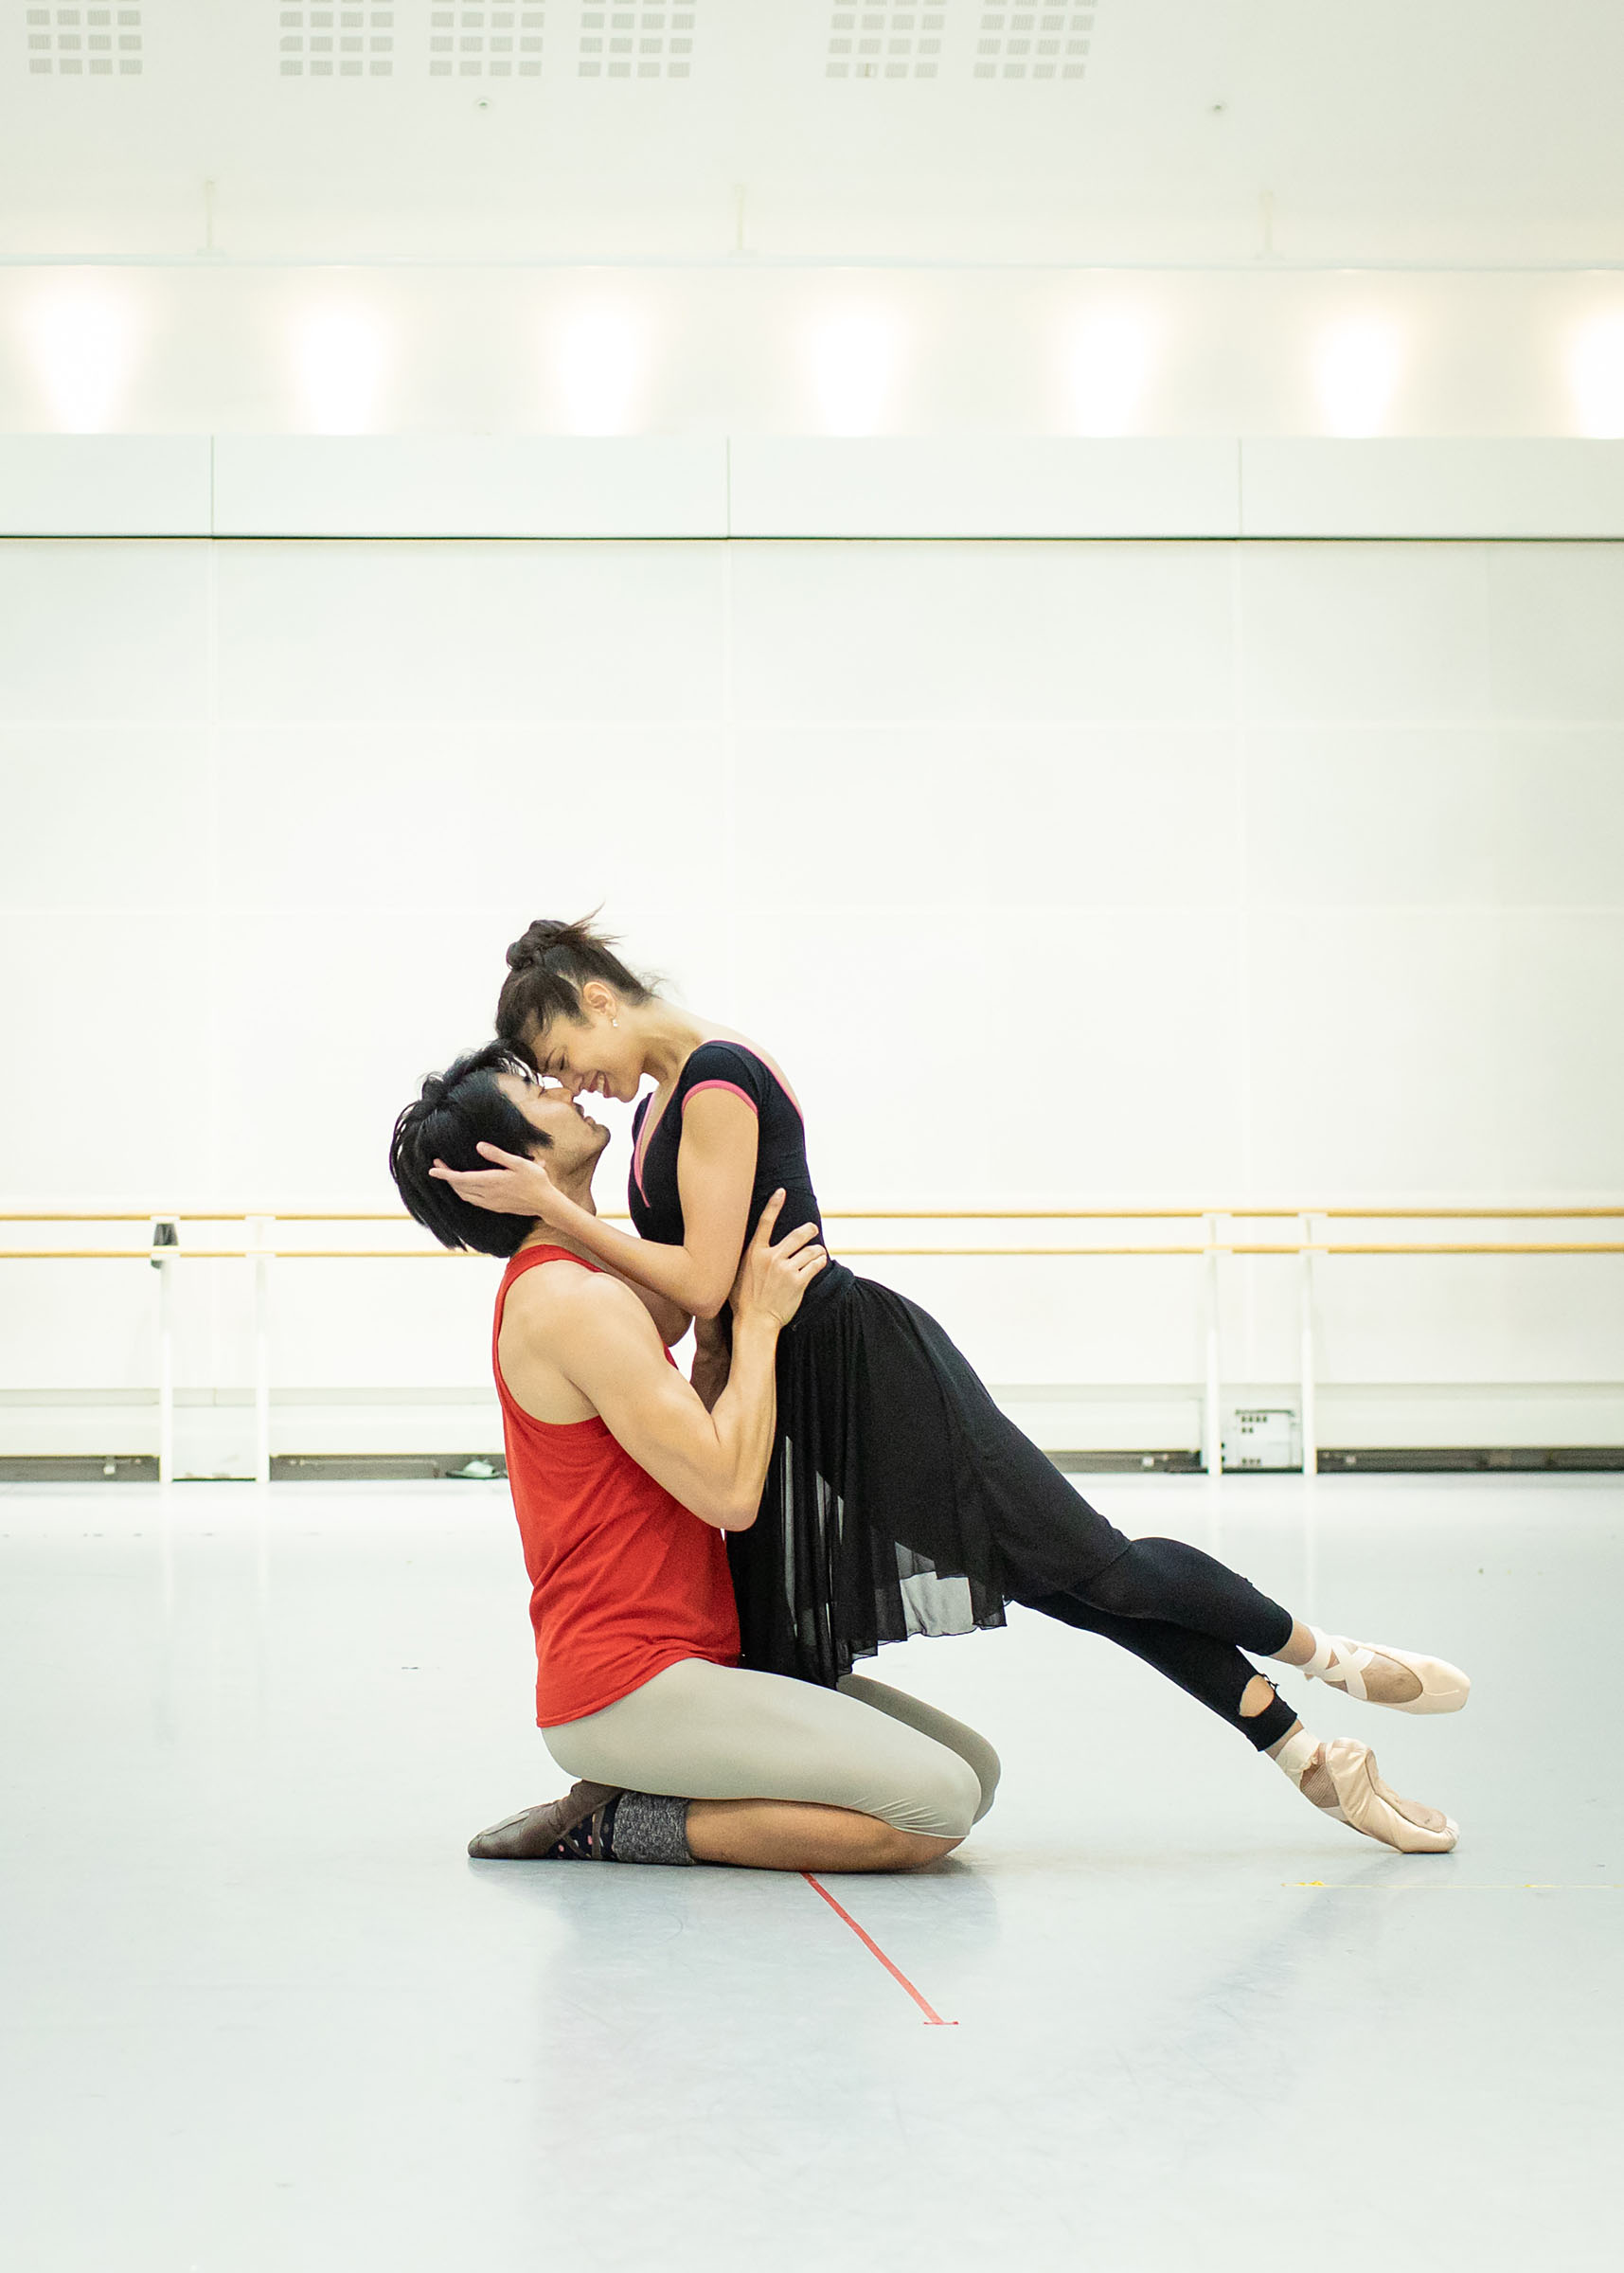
[(540, 939)]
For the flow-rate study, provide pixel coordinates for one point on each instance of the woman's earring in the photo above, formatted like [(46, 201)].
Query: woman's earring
[(615, 1022)]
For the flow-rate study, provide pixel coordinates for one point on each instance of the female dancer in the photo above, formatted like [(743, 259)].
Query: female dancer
[(900, 1499)]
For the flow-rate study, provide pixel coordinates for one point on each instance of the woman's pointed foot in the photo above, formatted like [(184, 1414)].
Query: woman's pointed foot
[(543, 1833), (1338, 1776), (1378, 1675)]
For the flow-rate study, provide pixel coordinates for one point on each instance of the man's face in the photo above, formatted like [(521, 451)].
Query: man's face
[(576, 1140)]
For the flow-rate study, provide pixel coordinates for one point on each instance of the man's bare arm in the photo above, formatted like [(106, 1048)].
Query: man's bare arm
[(597, 1333), (714, 1462)]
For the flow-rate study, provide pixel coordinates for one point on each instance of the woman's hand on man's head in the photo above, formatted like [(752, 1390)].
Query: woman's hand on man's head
[(511, 1185)]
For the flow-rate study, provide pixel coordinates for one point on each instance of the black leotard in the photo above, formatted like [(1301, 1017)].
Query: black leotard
[(900, 1499), (780, 1145)]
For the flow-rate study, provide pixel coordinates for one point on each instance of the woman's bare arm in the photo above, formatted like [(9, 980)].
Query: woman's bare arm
[(716, 1171)]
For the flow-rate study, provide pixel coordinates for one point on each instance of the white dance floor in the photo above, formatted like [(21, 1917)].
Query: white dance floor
[(262, 2015)]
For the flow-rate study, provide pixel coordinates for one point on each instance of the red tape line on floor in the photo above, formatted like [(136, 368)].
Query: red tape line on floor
[(933, 2018)]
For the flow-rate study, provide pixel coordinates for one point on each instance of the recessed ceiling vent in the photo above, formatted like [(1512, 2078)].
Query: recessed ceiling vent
[(84, 43), (486, 43), (885, 43), (1033, 43), (901, 39), (337, 43), (636, 43)]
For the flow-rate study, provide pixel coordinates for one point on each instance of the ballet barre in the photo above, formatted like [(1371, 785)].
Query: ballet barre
[(262, 1246), (853, 1215), (1222, 1246)]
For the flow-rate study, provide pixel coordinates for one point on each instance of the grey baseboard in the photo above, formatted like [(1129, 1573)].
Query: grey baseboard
[(486, 1467), (1466, 1460), (401, 1467), (1114, 1462), (79, 1468)]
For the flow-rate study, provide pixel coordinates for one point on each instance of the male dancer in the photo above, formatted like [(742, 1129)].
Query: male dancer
[(624, 1484)]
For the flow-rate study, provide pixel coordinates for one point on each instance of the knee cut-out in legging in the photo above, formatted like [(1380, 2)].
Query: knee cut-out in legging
[(1190, 1616)]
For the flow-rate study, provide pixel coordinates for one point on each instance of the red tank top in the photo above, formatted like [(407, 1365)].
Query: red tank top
[(624, 1581)]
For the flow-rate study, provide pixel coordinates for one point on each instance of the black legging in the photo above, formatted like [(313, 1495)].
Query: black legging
[(1190, 1616)]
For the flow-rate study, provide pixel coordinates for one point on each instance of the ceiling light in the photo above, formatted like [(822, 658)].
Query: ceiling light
[(1108, 364), (1357, 365), (601, 360), (81, 340), (853, 358), (1596, 370), (339, 356)]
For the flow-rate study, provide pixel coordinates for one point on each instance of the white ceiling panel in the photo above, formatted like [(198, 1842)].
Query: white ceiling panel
[(1133, 131)]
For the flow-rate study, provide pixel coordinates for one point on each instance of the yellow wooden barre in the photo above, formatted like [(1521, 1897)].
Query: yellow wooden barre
[(853, 1215), (1485, 1247), (239, 1254), (464, 1254), (1303, 1248), (204, 1215), (844, 1215), (165, 1255), (1170, 1215), (1443, 1214), (217, 1215)]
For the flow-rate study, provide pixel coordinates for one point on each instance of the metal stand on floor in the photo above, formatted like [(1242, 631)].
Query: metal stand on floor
[(261, 1238), (1212, 1423), (1306, 1361), (166, 1234)]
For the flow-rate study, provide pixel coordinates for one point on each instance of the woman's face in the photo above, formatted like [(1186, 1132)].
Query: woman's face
[(594, 1057)]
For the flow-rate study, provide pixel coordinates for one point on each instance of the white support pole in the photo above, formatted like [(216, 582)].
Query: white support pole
[(1212, 1433), (166, 1233), (1307, 1362), (261, 1233), (166, 1374)]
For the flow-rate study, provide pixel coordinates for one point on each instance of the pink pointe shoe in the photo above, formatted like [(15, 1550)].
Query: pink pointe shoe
[(1338, 1776), (1379, 1676)]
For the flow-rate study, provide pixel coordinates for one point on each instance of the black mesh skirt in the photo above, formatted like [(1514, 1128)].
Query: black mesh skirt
[(900, 1499)]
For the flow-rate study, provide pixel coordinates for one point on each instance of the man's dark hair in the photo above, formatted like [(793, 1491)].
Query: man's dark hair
[(459, 1110)]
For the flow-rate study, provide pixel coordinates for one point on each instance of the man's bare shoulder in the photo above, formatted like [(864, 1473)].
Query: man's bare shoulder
[(567, 1297)]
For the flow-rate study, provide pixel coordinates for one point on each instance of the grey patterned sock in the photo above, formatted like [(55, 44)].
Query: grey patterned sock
[(646, 1827)]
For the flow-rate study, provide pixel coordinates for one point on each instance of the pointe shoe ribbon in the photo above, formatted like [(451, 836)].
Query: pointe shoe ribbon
[(1365, 1803), (531, 1834), (1343, 1664)]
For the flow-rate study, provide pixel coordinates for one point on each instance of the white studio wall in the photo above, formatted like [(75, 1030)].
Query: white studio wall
[(1324, 907), (757, 346), (807, 486)]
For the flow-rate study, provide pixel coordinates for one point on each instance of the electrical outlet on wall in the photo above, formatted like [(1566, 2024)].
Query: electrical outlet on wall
[(1262, 1437)]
